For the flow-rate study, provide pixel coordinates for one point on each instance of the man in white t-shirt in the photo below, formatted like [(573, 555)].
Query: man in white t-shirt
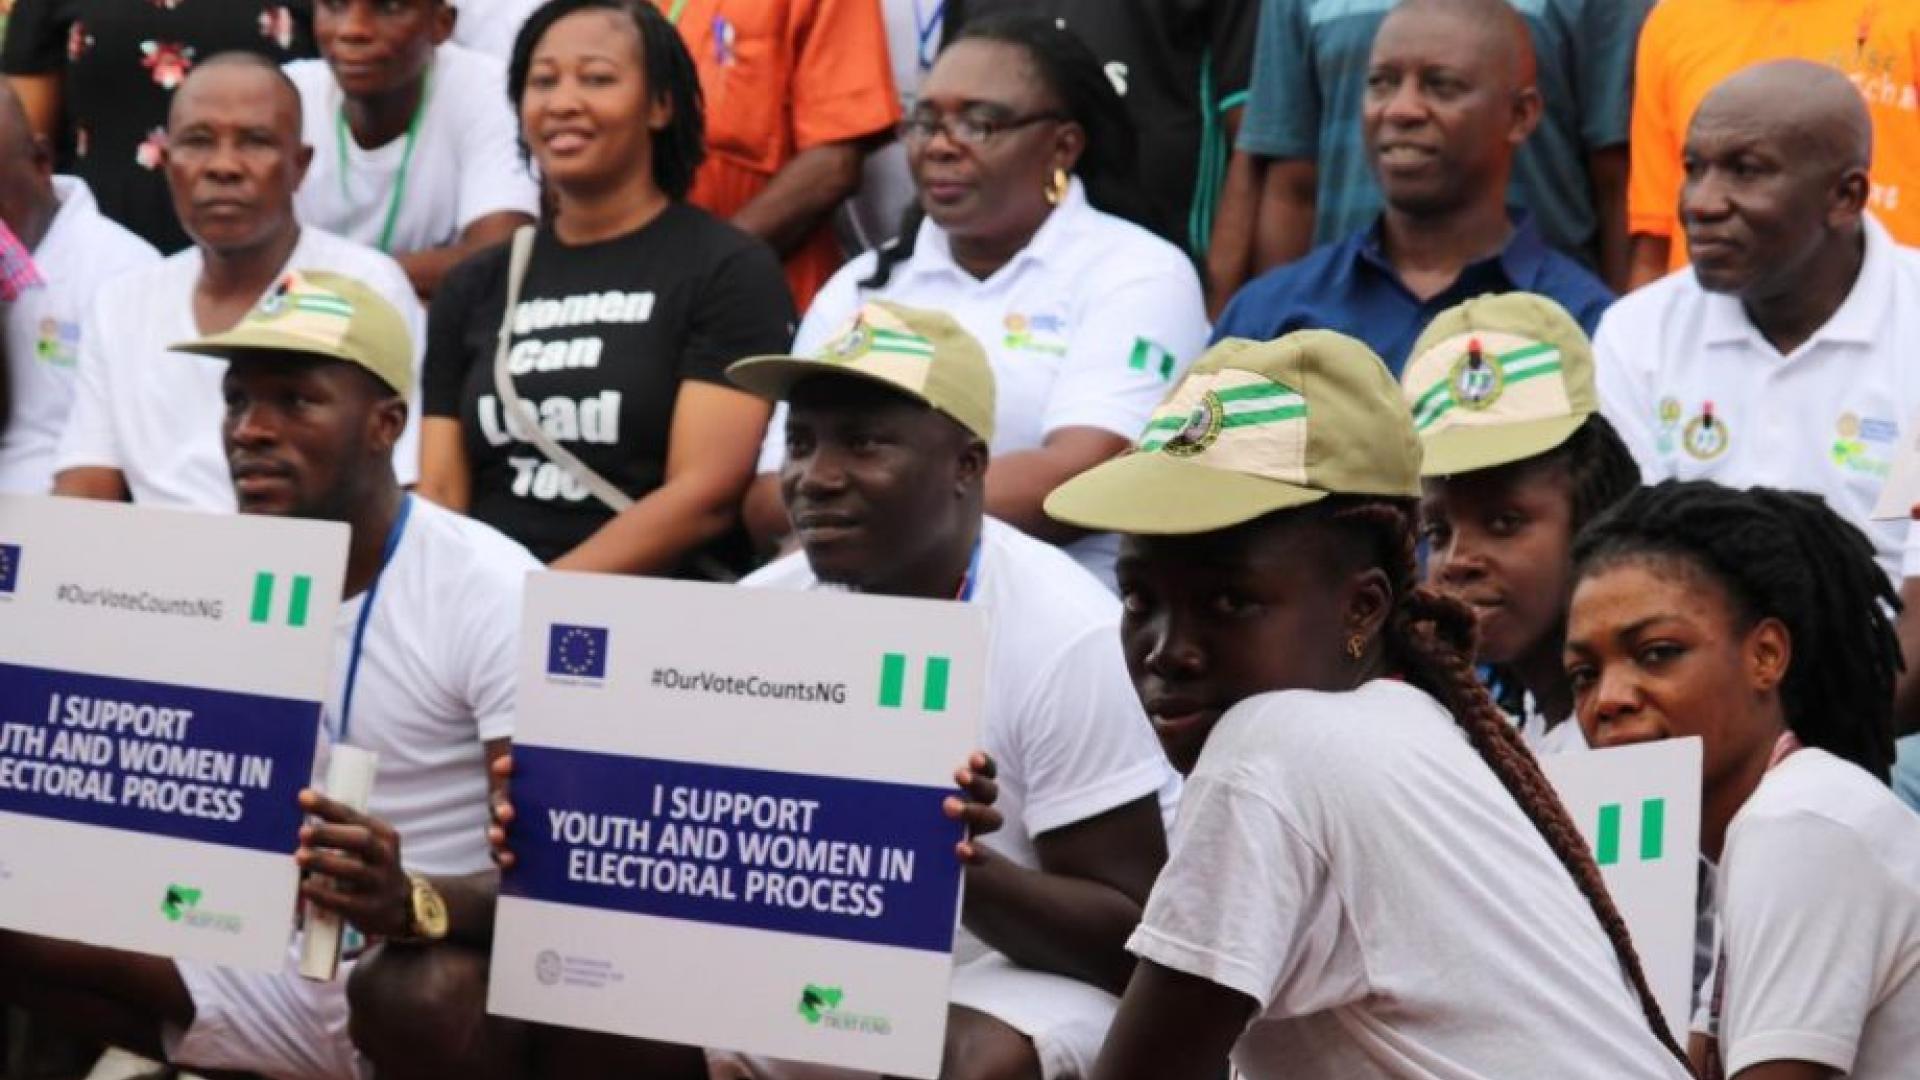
[(145, 419), (76, 249), (1783, 355), (886, 454), (316, 389), (416, 150)]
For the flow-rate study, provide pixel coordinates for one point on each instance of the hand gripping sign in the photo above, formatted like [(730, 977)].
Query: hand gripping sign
[(161, 680), (727, 817)]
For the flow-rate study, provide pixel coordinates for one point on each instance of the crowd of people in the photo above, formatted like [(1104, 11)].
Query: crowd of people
[(1336, 408)]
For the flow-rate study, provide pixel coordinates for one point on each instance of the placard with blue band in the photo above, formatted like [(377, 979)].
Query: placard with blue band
[(728, 827), (159, 706)]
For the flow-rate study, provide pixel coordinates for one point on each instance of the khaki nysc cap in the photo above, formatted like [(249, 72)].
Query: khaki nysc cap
[(1255, 427), (317, 313), (1499, 379), (923, 354)]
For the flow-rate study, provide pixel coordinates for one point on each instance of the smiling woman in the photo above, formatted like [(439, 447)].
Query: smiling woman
[(632, 306)]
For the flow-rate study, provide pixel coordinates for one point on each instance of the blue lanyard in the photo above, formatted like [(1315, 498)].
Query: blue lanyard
[(928, 31), (366, 612), (968, 583)]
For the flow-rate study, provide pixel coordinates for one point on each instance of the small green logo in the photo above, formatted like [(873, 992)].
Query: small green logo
[(1653, 832), (265, 585), (933, 682), (817, 1001), (179, 900)]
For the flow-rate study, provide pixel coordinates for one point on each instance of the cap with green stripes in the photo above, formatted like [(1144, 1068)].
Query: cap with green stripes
[(1498, 379), (923, 354), (1255, 427), (318, 313)]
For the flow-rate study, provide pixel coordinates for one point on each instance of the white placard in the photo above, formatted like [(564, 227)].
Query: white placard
[(1639, 807), (728, 827), (161, 679), (1902, 490)]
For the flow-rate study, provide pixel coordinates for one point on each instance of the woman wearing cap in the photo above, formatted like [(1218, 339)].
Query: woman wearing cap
[(1368, 874), (1027, 231), (632, 305), (1516, 458), (1758, 620)]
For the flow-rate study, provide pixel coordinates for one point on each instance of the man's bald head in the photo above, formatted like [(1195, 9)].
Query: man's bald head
[(1508, 47), (242, 65), (1776, 183)]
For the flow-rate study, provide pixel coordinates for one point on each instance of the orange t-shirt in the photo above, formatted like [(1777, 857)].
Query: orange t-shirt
[(779, 77), (1689, 46)]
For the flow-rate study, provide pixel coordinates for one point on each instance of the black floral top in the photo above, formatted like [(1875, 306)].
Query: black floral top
[(119, 61)]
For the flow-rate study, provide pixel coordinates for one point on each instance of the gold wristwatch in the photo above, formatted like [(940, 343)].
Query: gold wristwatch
[(426, 913)]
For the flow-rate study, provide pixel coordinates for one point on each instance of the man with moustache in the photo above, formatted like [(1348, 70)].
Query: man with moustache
[(145, 424), (1450, 98), (423, 675)]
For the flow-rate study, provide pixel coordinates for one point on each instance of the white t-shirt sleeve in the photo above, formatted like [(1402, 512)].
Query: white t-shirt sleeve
[(1799, 980), (88, 440), (1129, 347), (1085, 748), (493, 178), (399, 292), (832, 306), (488, 652), (1620, 376), (1245, 900)]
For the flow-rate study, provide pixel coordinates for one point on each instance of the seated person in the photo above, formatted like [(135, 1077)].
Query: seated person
[(75, 249), (1759, 622), (1516, 459), (415, 147), (432, 695), (145, 422), (1368, 869), (1450, 98)]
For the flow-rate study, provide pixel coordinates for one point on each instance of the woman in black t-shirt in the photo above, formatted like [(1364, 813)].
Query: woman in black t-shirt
[(633, 305), (97, 78)]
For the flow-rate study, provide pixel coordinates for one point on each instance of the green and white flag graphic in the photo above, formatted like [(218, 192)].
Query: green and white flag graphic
[(266, 590)]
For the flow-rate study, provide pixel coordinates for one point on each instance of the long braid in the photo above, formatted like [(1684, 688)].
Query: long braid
[(1430, 638)]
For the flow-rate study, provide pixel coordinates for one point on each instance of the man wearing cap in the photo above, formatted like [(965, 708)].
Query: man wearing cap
[(1516, 458), (1368, 871), (1450, 99), (424, 655), (144, 425)]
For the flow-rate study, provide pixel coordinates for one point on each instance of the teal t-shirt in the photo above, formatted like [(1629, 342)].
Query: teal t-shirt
[(1309, 82)]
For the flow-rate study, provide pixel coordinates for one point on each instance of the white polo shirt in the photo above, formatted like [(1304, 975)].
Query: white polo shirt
[(1698, 394), (1088, 326), (155, 414), (465, 163), (490, 26), (82, 250)]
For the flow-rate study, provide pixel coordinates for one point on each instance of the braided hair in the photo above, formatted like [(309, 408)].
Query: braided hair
[(1072, 73), (1429, 640), (1780, 555)]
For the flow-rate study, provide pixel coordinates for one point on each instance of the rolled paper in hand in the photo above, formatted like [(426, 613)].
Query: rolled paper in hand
[(349, 782)]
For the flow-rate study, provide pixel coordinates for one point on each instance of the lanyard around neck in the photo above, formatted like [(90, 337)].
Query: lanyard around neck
[(366, 613), (399, 194), (972, 580)]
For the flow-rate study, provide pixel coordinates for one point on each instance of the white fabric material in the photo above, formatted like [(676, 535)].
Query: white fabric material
[(82, 250), (275, 1023), (489, 26), (1541, 739), (437, 677), (1058, 323), (1350, 863), (1820, 923), (1829, 418), (872, 216), (155, 414), (1063, 723), (466, 159)]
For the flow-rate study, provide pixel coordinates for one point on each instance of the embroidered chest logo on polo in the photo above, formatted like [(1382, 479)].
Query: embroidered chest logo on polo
[(1706, 436), (1863, 445), (1045, 332)]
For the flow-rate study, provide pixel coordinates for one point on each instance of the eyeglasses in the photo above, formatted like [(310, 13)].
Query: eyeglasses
[(972, 129)]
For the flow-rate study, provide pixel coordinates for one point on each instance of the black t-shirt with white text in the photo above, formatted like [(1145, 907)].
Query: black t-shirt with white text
[(603, 336)]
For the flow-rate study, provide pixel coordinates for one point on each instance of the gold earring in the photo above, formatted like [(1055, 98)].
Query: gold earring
[(1056, 188), (1356, 646)]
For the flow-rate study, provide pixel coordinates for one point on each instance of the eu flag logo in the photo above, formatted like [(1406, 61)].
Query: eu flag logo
[(578, 651), (9, 566)]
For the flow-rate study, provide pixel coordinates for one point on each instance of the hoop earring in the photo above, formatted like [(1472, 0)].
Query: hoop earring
[(1356, 646), (1056, 188)]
